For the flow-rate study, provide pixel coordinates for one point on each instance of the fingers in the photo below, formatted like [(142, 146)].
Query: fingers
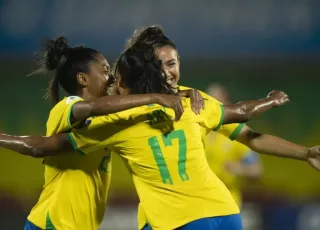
[(197, 102), (178, 110), (280, 98), (201, 103), (285, 99), (315, 163)]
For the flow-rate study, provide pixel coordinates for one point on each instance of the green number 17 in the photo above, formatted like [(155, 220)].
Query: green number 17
[(158, 156)]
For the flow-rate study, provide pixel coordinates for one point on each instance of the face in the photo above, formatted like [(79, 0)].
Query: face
[(98, 77), (170, 63), (120, 87)]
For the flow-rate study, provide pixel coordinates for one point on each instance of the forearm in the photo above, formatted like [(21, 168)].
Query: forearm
[(37, 146), (22, 144), (272, 145), (246, 110), (111, 104)]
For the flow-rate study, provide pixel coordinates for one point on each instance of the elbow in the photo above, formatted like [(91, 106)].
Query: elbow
[(38, 152), (245, 113), (242, 113)]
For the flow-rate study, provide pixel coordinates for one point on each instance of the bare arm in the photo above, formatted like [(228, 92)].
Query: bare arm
[(247, 110), (271, 145), (37, 146), (112, 104)]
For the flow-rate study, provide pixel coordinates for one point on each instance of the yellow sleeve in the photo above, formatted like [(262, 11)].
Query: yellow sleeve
[(59, 118), (97, 135), (231, 130), (204, 95), (212, 115)]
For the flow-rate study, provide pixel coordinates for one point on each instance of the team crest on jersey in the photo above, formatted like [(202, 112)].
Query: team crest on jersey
[(72, 98), (157, 116), (160, 116)]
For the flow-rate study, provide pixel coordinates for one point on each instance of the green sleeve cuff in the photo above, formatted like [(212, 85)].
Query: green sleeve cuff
[(69, 115), (74, 144), (221, 118), (235, 133)]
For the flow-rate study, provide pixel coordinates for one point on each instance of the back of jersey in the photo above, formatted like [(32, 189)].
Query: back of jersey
[(168, 162)]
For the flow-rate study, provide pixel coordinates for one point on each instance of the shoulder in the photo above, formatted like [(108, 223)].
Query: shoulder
[(203, 94), (65, 103), (59, 117)]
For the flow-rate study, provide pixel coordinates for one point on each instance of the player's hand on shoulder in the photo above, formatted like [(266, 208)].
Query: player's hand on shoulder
[(197, 101), (314, 157), (173, 102), (278, 97)]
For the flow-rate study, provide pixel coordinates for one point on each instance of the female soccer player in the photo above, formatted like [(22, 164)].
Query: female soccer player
[(166, 158), (83, 73), (167, 52)]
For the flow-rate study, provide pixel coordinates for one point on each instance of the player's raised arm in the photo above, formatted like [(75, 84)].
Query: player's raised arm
[(247, 110), (112, 104), (37, 146), (276, 146)]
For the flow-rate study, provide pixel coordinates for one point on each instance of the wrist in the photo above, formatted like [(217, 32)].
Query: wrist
[(270, 100), (305, 154)]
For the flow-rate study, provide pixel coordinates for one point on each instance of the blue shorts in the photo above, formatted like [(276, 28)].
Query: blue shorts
[(30, 226), (232, 222)]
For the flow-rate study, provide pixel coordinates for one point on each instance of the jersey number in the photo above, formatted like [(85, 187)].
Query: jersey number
[(158, 156)]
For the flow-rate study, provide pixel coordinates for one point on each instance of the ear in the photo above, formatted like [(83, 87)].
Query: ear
[(82, 79)]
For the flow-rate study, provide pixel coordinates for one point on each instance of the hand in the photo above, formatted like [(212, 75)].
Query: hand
[(197, 101), (278, 97), (173, 102), (314, 157)]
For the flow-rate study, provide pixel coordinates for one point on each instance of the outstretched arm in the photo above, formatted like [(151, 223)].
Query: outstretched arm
[(37, 146), (112, 104), (276, 146), (247, 110), (271, 145)]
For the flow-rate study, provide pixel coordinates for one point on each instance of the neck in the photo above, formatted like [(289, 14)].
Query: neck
[(85, 95)]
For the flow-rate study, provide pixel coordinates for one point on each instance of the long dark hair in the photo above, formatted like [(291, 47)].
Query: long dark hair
[(140, 70), (67, 62)]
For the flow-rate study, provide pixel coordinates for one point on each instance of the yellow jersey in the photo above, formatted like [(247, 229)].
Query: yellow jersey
[(221, 150), (166, 159), (75, 190), (229, 132)]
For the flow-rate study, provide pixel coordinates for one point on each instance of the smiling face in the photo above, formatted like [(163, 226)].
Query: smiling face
[(98, 76), (170, 63)]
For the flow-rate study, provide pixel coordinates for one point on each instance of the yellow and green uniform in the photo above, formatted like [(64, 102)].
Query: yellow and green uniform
[(166, 159), (221, 150), (230, 131), (75, 190)]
